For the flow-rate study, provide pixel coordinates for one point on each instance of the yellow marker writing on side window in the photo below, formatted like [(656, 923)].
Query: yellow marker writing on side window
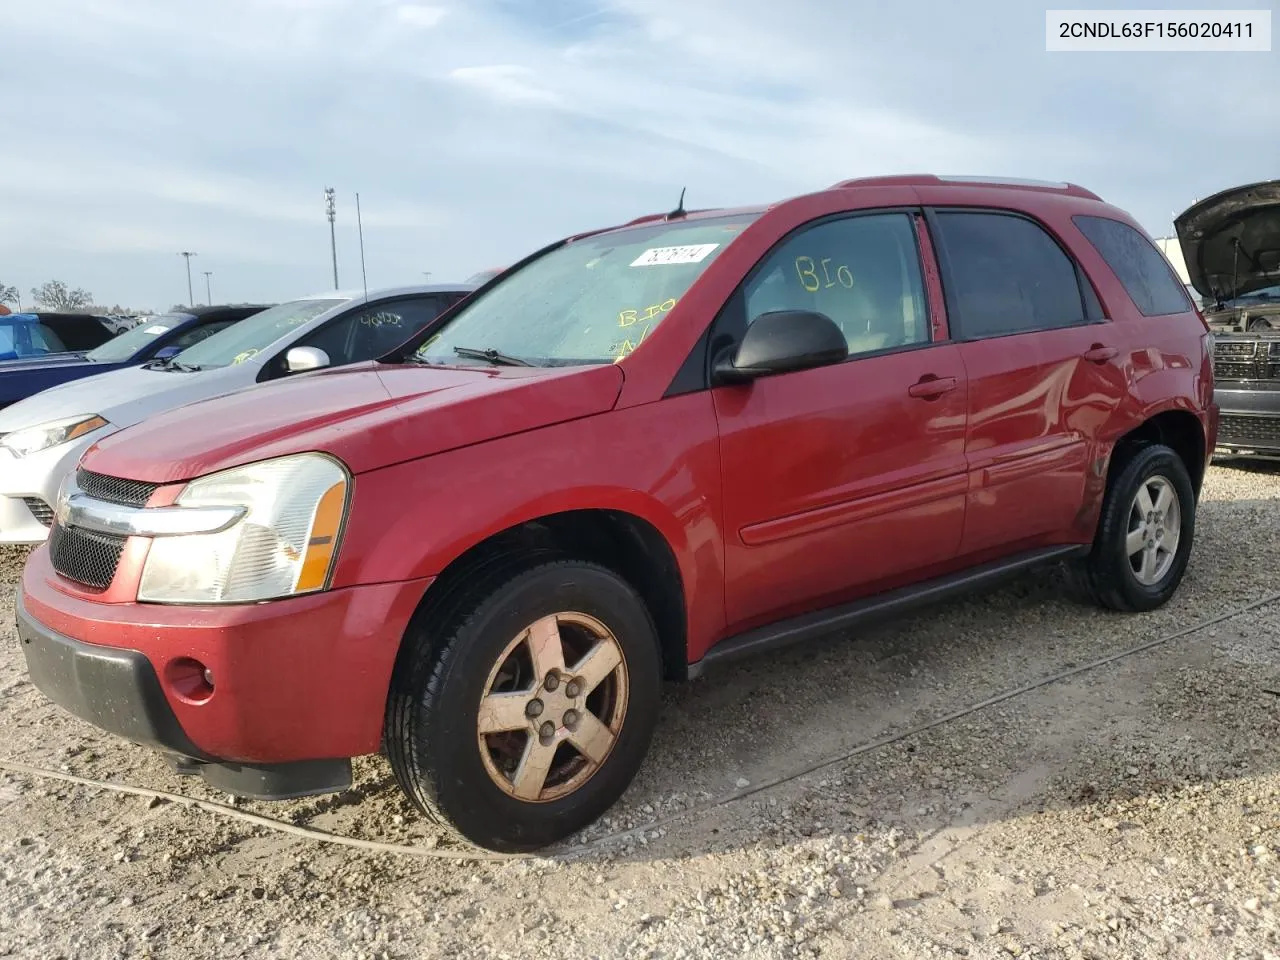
[(809, 269)]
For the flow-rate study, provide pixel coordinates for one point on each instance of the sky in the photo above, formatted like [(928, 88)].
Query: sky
[(476, 131)]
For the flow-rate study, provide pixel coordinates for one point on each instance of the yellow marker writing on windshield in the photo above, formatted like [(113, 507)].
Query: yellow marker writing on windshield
[(628, 317)]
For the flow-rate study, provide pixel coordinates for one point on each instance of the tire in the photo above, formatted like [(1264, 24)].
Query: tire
[(1108, 575), (480, 786)]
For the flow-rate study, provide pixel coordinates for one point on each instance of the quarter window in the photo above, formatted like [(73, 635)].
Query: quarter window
[(1005, 275), (1139, 266), (863, 272)]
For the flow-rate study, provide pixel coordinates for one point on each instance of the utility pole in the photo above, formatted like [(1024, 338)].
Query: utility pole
[(331, 211), (427, 274), (191, 297), (208, 292)]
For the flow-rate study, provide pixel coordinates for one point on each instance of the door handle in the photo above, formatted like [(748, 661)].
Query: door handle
[(1100, 353), (930, 387)]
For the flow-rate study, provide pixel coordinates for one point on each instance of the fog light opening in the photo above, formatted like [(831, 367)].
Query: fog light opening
[(190, 680)]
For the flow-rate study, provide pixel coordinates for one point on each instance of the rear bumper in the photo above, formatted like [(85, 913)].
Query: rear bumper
[(1249, 420), (302, 679)]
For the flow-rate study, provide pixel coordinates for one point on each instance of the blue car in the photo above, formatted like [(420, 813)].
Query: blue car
[(30, 360)]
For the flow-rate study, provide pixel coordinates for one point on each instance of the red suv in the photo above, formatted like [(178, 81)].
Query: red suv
[(635, 453)]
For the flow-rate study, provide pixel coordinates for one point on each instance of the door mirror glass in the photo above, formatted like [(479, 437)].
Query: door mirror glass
[(164, 353), (783, 341), (301, 359)]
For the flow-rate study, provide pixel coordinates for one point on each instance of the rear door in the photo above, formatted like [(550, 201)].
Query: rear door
[(838, 478), (1042, 370)]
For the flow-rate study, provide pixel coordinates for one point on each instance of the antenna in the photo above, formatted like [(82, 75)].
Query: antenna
[(679, 211), (360, 228)]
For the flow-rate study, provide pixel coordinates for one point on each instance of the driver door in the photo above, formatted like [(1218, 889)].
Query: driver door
[(840, 478)]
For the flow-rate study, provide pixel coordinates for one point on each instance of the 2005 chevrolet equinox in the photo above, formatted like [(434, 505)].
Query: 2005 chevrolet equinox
[(636, 452)]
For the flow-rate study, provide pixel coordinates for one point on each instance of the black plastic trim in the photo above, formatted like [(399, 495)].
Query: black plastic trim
[(881, 606), (114, 689), (118, 691)]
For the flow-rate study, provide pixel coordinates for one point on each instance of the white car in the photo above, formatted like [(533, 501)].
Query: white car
[(43, 436)]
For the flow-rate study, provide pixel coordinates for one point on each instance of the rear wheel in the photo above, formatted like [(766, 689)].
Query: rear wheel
[(1145, 533), (528, 716)]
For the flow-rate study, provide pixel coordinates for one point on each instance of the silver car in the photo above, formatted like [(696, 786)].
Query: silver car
[(42, 437)]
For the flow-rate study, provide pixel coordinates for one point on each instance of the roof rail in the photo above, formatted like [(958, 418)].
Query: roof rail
[(931, 179)]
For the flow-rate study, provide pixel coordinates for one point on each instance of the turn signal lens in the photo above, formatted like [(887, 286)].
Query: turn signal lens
[(323, 538)]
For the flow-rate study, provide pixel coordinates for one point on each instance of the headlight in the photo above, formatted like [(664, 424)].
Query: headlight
[(45, 435), (284, 545)]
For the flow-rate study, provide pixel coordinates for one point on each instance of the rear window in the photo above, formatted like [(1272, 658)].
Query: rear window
[(1138, 264)]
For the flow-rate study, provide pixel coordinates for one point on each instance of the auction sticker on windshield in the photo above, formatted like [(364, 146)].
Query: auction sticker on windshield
[(662, 256), (156, 329)]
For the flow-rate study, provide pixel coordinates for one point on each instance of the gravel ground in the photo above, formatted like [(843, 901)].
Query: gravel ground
[(792, 806)]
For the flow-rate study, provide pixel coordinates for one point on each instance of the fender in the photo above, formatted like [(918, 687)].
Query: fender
[(659, 462)]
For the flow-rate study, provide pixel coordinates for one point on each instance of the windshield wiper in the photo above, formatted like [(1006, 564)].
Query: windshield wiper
[(495, 357), (169, 363)]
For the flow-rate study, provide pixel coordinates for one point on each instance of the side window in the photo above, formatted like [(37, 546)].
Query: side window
[(863, 272), (8, 343), (44, 340), (202, 332), (370, 332), (1138, 264), (1005, 275)]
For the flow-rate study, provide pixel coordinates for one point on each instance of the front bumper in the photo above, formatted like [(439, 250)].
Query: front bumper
[(1249, 420), (29, 487), (299, 685)]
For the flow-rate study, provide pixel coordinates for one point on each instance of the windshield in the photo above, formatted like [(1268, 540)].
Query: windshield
[(590, 301), (1265, 295), (242, 340), (125, 345)]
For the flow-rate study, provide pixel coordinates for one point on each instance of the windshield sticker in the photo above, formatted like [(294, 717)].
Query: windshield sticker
[(242, 357), (156, 329), (627, 318), (665, 256), (807, 269)]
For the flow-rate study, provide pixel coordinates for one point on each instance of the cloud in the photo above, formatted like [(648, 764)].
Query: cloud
[(506, 82), (476, 131), (420, 15)]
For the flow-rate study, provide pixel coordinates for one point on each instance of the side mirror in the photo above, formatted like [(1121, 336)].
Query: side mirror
[(164, 353), (783, 341), (302, 359)]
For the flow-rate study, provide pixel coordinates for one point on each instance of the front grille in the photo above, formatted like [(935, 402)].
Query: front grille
[(1235, 348), (1238, 431), (85, 556), (128, 493), (1236, 359), (40, 510)]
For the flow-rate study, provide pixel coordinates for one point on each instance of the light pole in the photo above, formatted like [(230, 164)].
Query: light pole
[(427, 274), (191, 297), (331, 211), (208, 292)]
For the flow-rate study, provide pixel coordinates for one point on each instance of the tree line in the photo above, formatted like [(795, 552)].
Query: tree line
[(57, 297)]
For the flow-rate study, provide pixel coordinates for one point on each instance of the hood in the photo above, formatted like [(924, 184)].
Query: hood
[(124, 396), (42, 362), (1231, 241), (368, 415)]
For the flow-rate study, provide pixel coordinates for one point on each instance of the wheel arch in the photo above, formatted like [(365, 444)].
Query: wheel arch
[(625, 542), (1179, 429)]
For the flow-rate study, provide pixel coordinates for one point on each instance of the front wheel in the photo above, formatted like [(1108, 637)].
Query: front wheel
[(1145, 532), (529, 715)]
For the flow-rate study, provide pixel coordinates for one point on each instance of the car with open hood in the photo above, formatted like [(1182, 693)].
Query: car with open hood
[(636, 454), (42, 437), (153, 338), (1231, 244)]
